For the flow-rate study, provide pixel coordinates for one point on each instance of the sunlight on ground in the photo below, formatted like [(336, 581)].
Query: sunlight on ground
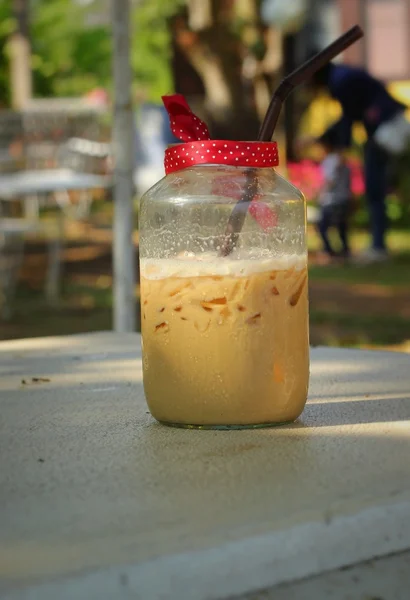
[(359, 398)]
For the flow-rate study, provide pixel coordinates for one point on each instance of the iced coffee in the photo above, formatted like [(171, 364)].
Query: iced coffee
[(225, 340)]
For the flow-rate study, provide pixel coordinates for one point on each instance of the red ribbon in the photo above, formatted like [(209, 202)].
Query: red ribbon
[(221, 152), (184, 124), (198, 148)]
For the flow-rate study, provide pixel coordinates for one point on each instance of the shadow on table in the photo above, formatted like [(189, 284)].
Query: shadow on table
[(354, 412)]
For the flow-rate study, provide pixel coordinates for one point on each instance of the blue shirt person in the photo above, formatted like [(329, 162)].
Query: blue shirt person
[(364, 99)]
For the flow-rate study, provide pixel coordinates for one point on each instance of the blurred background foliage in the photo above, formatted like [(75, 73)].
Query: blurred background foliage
[(71, 46), (227, 61)]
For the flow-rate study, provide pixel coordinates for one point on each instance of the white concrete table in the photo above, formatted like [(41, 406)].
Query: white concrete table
[(98, 501), (55, 182), (25, 183)]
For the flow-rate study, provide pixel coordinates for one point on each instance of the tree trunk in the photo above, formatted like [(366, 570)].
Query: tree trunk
[(20, 57), (215, 52), (123, 141)]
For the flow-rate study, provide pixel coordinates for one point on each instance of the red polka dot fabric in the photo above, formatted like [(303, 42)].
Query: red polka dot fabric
[(199, 149), (221, 152), (184, 124), (263, 214)]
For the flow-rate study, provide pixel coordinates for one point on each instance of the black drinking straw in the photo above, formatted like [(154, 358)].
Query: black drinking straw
[(287, 85), (301, 75)]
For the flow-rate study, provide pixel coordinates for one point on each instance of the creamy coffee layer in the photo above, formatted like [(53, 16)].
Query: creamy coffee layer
[(225, 340)]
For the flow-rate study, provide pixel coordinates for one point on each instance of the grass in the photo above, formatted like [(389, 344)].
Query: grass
[(83, 308), (398, 240), (393, 273), (362, 306), (358, 330)]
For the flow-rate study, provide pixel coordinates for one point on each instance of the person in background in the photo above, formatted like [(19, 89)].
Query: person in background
[(335, 196), (364, 99)]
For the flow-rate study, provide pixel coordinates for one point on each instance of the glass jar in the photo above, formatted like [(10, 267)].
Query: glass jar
[(225, 338)]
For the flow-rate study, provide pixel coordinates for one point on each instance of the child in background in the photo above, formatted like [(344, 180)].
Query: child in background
[(335, 196)]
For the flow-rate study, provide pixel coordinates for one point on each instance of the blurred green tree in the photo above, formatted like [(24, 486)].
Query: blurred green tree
[(226, 43), (6, 28), (71, 50), (71, 46), (151, 50), (223, 41)]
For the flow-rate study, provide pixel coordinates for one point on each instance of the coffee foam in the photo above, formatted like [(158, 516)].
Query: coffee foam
[(189, 265)]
